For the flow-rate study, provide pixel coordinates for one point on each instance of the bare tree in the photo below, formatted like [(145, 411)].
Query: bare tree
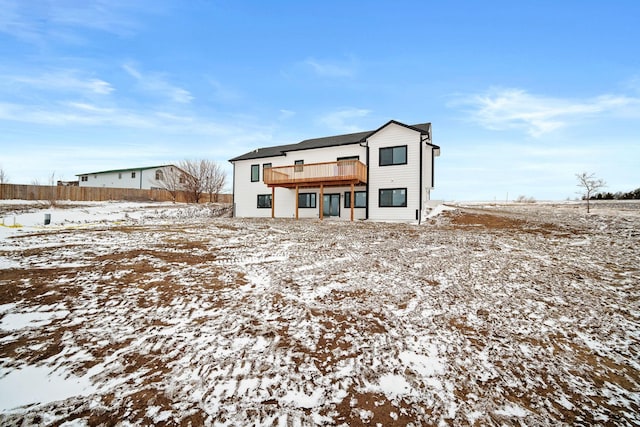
[(195, 178), (171, 179), (202, 176), (4, 178), (590, 185), (214, 180)]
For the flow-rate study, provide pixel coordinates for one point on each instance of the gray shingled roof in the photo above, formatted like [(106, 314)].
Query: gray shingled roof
[(126, 170), (329, 141)]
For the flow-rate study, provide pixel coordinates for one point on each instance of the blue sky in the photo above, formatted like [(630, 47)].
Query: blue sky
[(521, 95)]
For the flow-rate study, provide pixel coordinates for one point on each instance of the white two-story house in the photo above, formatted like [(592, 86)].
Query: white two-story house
[(383, 174)]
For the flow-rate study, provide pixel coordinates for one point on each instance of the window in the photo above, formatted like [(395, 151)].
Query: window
[(340, 159), (392, 198), (182, 179), (120, 175), (84, 178), (307, 200), (361, 199), (299, 166), (159, 176), (255, 173), (264, 200), (266, 172), (393, 155), (133, 174)]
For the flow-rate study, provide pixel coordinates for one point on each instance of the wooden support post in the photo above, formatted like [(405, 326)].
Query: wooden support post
[(273, 202), (297, 201), (353, 200), (321, 201)]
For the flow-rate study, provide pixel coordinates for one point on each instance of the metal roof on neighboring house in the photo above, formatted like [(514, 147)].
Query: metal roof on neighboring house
[(126, 170), (329, 141)]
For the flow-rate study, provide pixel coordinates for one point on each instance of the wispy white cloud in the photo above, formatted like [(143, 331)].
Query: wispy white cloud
[(73, 114), (39, 21), (331, 69), (60, 80), (110, 16), (157, 84), (502, 109), (15, 22), (344, 120), (132, 71)]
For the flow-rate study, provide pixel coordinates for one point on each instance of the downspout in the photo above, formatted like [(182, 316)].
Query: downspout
[(420, 193), (366, 208), (433, 157), (141, 179), (432, 168), (233, 190)]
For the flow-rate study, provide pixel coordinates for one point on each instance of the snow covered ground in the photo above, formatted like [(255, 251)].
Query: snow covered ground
[(159, 313)]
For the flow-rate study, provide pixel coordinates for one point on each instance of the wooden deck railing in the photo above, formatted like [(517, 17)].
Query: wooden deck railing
[(328, 173)]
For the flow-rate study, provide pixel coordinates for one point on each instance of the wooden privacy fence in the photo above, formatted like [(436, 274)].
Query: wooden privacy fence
[(96, 194)]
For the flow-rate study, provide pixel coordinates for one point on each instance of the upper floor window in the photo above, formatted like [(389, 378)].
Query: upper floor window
[(255, 173), (84, 178), (393, 155), (299, 166), (159, 175), (392, 197), (360, 196), (120, 175), (133, 174), (307, 200)]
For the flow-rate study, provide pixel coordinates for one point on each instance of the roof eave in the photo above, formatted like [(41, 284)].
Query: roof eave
[(127, 169)]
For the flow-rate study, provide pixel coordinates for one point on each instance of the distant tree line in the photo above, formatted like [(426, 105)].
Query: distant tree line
[(630, 195)]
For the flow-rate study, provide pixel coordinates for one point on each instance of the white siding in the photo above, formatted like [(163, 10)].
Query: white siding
[(246, 192), (379, 177), (427, 170), (112, 180), (144, 179), (394, 176)]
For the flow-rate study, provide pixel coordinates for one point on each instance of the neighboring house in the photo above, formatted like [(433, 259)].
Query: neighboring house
[(145, 178), (384, 174)]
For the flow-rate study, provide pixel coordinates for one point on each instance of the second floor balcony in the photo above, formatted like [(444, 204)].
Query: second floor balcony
[(343, 172)]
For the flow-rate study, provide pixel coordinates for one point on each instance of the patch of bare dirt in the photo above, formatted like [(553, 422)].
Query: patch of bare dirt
[(488, 318)]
